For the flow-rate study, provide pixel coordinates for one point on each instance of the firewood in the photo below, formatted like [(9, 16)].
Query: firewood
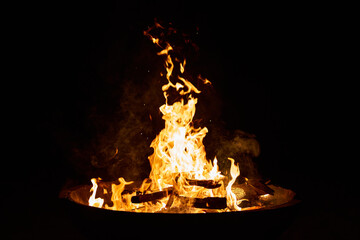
[(260, 187), (204, 183), (170, 200), (151, 196), (208, 202)]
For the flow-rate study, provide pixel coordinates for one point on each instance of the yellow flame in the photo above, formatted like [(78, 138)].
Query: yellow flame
[(179, 153), (95, 202), (230, 196), (120, 201), (182, 66)]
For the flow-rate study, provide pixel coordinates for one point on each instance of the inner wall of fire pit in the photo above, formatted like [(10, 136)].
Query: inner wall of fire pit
[(281, 197)]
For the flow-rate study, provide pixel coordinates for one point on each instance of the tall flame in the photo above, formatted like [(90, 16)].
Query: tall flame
[(178, 148), (179, 153), (230, 196)]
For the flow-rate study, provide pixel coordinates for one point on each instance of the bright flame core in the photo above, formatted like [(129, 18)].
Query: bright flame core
[(179, 154)]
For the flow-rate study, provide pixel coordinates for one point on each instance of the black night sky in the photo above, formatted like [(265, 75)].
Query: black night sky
[(278, 72)]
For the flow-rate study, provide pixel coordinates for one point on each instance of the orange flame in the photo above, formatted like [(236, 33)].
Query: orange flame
[(179, 152), (120, 201)]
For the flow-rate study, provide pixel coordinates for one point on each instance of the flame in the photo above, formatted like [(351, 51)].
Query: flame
[(179, 153), (120, 201), (182, 66), (205, 80), (230, 196), (95, 202)]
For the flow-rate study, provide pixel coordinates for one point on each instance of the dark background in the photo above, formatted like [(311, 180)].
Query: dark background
[(281, 72)]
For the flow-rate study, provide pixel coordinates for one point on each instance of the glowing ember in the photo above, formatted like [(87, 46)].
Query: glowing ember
[(181, 178)]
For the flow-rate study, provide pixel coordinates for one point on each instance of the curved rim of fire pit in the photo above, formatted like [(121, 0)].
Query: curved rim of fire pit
[(69, 195)]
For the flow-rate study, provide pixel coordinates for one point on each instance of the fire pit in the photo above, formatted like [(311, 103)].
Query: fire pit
[(269, 219), (183, 184), (272, 215), (259, 196)]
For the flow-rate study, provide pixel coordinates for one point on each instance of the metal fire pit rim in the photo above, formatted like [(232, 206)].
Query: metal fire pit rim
[(66, 195), (268, 208)]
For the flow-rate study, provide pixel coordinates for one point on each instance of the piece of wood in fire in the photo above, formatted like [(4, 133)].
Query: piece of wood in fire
[(260, 187), (151, 196), (208, 202), (204, 183)]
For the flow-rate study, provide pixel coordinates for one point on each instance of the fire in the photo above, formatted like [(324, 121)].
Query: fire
[(95, 202), (230, 196), (181, 176)]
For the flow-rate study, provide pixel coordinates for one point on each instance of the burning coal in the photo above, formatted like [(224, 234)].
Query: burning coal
[(182, 178)]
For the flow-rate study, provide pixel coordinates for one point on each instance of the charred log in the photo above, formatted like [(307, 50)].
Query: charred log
[(204, 183), (151, 196), (208, 202)]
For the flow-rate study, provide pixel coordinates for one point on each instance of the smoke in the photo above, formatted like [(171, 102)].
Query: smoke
[(239, 145), (138, 127), (122, 120)]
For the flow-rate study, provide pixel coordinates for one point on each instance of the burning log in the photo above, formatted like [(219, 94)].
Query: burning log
[(204, 183), (151, 196), (197, 202), (208, 202)]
